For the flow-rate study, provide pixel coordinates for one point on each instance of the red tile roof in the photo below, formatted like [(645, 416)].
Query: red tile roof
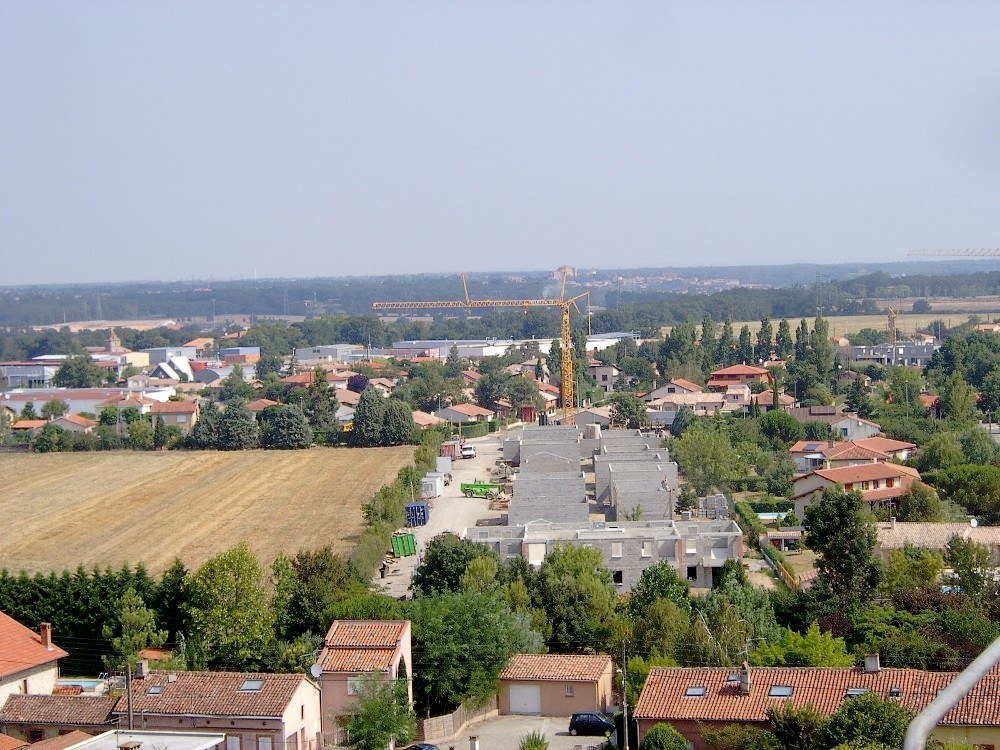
[(62, 741), (885, 445), (28, 424), (866, 472), (260, 404), (78, 420), (471, 410), (560, 667), (361, 645), (211, 694), (10, 743), (175, 407), (686, 385), (64, 710), (21, 648), (740, 370), (663, 697)]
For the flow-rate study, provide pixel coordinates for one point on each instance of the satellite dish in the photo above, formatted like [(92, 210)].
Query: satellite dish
[(973, 523), (316, 670)]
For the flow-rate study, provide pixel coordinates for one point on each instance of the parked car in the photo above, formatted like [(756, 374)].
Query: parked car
[(468, 451), (422, 746), (590, 724)]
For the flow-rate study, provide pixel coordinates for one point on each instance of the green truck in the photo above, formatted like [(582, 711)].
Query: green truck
[(477, 488)]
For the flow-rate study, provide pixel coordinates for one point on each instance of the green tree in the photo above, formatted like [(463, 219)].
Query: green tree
[(765, 343), (990, 400), (307, 587), (206, 432), (663, 737), (821, 349), (739, 737), (134, 630), (397, 426), (160, 434), (726, 352), (628, 410), (238, 430), (682, 420), (783, 343), (912, 568), (108, 416), (970, 563), (49, 439), (708, 343), (28, 411), (843, 540), (285, 428), (796, 728), (234, 386), (781, 428), (54, 408), (744, 347), (659, 581), (170, 599), (379, 715), (801, 341), (78, 371), (445, 560), (140, 435), (706, 457), (321, 407), (920, 503), (578, 596), (958, 401), (814, 649), (465, 640), (975, 488), (230, 609), (268, 364), (978, 446), (866, 718), (369, 419)]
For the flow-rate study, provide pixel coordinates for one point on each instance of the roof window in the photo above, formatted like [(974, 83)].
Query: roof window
[(895, 692), (733, 677), (695, 691), (855, 692), (780, 691), (251, 686), (155, 690)]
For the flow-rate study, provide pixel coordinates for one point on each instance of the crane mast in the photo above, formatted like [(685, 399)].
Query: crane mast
[(566, 339)]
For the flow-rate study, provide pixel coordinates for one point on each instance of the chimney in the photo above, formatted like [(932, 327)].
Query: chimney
[(893, 522), (745, 679), (45, 632), (872, 665), (141, 669)]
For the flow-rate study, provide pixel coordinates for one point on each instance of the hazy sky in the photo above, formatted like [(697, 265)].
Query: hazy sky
[(167, 140)]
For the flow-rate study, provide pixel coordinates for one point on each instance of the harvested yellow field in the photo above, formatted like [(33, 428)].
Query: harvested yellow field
[(61, 510)]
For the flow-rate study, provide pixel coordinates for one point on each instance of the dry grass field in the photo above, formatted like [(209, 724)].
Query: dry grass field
[(60, 510)]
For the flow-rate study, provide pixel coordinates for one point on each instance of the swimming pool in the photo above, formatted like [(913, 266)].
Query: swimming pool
[(771, 516), (87, 684)]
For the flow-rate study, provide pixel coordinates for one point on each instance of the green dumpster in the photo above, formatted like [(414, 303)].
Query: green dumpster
[(403, 545)]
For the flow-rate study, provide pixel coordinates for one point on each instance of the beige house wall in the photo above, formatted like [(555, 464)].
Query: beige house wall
[(39, 680), (587, 695)]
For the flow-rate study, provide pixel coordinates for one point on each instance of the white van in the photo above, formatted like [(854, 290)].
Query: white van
[(468, 451)]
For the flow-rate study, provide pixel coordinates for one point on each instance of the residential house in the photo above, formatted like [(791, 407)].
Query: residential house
[(555, 684), (28, 660), (35, 718), (897, 535), (353, 649), (605, 375), (75, 423), (853, 427), (673, 387), (465, 413), (897, 450), (880, 484), (28, 426), (690, 698), (202, 345), (697, 549), (257, 711), (471, 377), (662, 411), (384, 385), (594, 415), (181, 414), (423, 420), (765, 400), (810, 455), (11, 743), (124, 739), (258, 405), (80, 400), (127, 400), (738, 375)]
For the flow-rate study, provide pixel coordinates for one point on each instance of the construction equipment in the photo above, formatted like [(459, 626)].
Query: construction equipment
[(970, 252), (566, 373), (892, 324), (479, 488)]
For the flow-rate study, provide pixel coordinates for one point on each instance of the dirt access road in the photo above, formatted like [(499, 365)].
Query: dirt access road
[(60, 510)]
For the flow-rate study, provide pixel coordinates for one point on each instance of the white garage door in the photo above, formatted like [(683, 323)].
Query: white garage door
[(525, 699)]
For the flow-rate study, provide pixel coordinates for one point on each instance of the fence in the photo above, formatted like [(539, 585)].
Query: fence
[(776, 561), (443, 727)]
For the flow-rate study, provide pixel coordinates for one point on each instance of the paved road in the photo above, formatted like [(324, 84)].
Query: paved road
[(451, 512), (505, 733)]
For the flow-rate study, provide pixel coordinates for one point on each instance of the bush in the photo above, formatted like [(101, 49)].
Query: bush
[(663, 737), (533, 741)]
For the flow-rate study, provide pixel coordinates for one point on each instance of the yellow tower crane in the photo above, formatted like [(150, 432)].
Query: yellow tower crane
[(566, 387)]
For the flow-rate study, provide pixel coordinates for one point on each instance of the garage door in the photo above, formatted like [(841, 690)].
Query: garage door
[(525, 699)]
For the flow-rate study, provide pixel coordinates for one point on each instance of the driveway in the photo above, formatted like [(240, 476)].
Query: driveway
[(505, 733), (452, 512)]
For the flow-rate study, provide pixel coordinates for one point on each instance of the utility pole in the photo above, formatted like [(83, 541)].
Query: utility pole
[(624, 700), (128, 691)]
